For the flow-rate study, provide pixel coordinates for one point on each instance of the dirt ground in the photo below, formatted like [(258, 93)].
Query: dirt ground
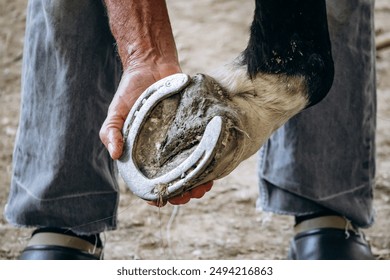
[(225, 224)]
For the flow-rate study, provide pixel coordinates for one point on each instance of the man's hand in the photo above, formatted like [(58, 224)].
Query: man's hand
[(148, 53), (131, 86)]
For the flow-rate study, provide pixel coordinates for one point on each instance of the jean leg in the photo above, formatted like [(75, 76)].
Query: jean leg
[(62, 174), (325, 156)]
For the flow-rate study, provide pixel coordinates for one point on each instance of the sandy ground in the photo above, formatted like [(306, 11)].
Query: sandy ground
[(225, 224)]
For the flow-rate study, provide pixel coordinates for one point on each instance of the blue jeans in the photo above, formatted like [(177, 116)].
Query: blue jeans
[(325, 156), (63, 176)]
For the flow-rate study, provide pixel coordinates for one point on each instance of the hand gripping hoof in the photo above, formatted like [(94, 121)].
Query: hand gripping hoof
[(179, 178)]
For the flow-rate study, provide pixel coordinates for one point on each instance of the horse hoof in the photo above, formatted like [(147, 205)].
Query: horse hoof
[(144, 130)]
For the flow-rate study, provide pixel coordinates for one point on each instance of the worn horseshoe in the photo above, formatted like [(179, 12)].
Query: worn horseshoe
[(181, 176)]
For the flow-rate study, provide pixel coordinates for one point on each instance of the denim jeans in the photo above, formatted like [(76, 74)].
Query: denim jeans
[(63, 176), (325, 156), (62, 173)]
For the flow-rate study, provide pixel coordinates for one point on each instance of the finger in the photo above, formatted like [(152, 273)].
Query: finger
[(111, 135), (111, 130), (115, 144), (208, 185), (200, 191), (180, 199), (197, 193)]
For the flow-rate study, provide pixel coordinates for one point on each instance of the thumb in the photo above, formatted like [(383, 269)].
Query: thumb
[(127, 93), (111, 135)]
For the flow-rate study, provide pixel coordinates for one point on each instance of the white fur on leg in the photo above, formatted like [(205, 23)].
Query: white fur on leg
[(264, 103)]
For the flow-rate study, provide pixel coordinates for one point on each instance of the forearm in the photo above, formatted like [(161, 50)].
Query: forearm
[(142, 31)]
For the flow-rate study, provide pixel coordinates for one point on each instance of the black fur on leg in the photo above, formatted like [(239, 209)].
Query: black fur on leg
[(291, 37)]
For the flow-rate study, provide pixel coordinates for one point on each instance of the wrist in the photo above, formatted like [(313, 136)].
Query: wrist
[(159, 66), (135, 56), (142, 31)]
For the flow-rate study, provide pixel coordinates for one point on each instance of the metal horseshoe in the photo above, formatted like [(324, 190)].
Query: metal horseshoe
[(192, 167)]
